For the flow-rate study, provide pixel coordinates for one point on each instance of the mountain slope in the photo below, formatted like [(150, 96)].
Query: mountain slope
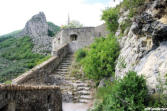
[(16, 57), (38, 30), (53, 29), (23, 49)]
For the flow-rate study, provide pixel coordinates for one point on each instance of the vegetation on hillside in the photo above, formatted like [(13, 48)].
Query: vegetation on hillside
[(111, 15), (99, 60), (54, 29), (132, 6), (12, 34), (127, 94), (16, 57)]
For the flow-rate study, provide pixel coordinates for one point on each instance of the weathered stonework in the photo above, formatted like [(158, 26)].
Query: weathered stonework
[(39, 74), (143, 49), (78, 37), (27, 95), (30, 98)]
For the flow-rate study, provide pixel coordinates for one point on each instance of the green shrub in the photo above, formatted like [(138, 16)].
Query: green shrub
[(21, 48), (55, 29), (127, 94), (101, 57), (80, 54), (103, 92), (110, 16), (8, 82), (123, 26), (132, 5), (157, 100), (50, 33)]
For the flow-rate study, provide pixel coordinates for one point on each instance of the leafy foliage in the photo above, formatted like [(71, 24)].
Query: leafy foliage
[(127, 94), (53, 29), (4, 38), (110, 16), (12, 34), (73, 24), (16, 57), (101, 57), (123, 26), (50, 33), (132, 5), (80, 54)]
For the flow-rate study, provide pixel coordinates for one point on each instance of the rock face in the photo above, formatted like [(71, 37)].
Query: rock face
[(37, 29), (144, 48)]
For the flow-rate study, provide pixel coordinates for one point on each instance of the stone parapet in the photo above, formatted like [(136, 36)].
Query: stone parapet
[(30, 98), (40, 74)]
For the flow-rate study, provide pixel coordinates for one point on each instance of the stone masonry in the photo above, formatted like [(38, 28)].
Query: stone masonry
[(78, 37), (30, 98)]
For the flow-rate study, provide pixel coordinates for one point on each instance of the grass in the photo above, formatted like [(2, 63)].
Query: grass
[(16, 57)]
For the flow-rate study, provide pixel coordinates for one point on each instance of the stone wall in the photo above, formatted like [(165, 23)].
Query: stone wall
[(30, 98), (82, 37), (39, 74), (101, 30)]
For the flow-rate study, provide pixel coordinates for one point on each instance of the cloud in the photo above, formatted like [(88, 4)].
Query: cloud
[(15, 13)]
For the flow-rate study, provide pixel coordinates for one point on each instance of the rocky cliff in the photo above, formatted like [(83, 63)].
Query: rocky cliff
[(144, 44), (37, 28)]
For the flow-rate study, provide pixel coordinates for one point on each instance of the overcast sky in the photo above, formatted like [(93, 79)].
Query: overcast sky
[(15, 13)]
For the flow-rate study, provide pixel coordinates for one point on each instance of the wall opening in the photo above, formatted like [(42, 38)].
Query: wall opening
[(49, 99), (73, 37)]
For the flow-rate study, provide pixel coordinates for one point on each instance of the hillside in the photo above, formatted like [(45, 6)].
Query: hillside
[(18, 50), (16, 57), (12, 34), (40, 31), (53, 29), (132, 77)]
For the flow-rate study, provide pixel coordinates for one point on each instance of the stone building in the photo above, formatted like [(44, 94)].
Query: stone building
[(78, 37)]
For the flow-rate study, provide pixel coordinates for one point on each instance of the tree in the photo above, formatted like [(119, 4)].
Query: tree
[(73, 24)]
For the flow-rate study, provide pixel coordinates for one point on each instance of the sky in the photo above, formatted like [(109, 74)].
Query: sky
[(15, 13)]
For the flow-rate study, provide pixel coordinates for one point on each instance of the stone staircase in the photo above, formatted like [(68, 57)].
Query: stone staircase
[(73, 90)]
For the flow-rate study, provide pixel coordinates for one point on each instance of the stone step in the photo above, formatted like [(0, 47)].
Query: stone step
[(83, 101), (82, 85), (62, 70), (61, 73), (66, 67), (66, 61), (83, 88), (87, 97), (66, 64), (83, 92)]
